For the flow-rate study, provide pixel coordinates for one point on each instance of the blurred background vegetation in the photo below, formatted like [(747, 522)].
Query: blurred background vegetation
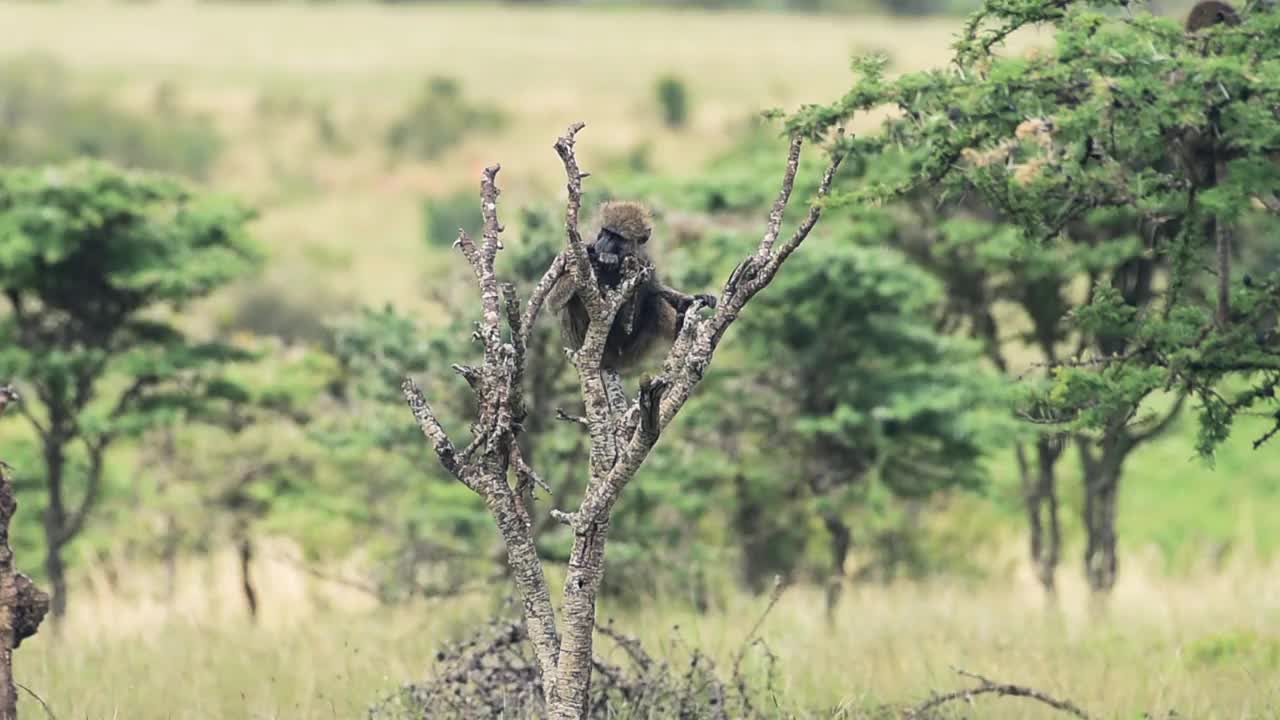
[(851, 437)]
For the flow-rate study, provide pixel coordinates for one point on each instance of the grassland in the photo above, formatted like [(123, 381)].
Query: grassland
[(1207, 646), (546, 68), (343, 225)]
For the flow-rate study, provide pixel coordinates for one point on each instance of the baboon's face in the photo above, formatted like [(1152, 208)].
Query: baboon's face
[(608, 252), (610, 248)]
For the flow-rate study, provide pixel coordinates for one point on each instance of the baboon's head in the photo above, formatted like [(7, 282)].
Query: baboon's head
[(624, 227)]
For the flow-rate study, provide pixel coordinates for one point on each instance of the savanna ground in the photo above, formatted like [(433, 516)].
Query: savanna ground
[(1194, 624)]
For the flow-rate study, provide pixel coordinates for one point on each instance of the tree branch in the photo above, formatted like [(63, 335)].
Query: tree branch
[(579, 264), (92, 491), (1162, 424), (488, 281), (989, 687), (539, 295), (784, 196), (41, 430), (434, 431)]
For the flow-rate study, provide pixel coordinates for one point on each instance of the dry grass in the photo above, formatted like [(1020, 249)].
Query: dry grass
[(1208, 646)]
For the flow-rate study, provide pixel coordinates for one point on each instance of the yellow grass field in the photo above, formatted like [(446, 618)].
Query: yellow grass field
[(1206, 646), (546, 68)]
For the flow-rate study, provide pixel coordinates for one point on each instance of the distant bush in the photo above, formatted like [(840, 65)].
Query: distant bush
[(920, 8), (673, 97), (271, 311), (1232, 648), (439, 118), (47, 120)]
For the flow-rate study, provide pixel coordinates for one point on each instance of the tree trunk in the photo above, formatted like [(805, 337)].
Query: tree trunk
[(1101, 484), (841, 538), (1041, 496), (169, 555), (573, 670), (57, 572), (749, 522), (22, 606), (246, 578), (55, 522), (1100, 524)]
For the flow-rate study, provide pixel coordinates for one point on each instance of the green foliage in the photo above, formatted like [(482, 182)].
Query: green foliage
[(418, 518), (1234, 648), (1053, 139), (94, 262), (272, 310), (444, 216), (673, 98), (439, 119), (47, 120), (880, 409), (848, 335)]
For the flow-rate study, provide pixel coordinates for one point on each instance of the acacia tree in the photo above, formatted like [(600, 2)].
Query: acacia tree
[(885, 410), (621, 430), (1129, 123), (91, 260)]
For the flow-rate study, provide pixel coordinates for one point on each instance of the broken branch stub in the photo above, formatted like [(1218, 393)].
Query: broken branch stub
[(622, 429)]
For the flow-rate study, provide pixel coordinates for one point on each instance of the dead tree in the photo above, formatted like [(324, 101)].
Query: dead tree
[(22, 604), (621, 430)]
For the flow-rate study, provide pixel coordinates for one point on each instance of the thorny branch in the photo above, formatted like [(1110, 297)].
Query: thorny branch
[(990, 687), (622, 430)]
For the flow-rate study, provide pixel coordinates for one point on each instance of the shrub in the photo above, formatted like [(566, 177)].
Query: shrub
[(673, 97), (48, 121), (442, 216), (439, 119)]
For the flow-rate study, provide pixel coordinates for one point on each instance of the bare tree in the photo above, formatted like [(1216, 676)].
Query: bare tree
[(621, 430)]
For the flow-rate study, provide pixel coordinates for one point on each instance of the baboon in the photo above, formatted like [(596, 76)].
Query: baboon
[(1211, 12), (654, 311), (1199, 150)]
